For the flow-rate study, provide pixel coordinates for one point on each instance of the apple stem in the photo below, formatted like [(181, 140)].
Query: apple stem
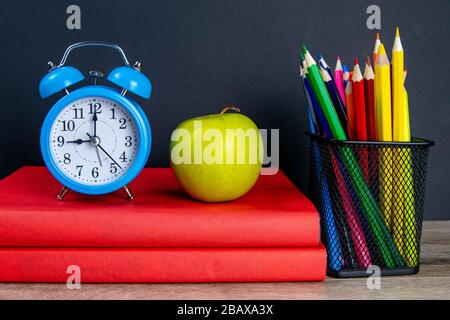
[(230, 108)]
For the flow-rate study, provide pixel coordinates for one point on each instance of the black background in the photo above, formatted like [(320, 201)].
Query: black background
[(202, 55)]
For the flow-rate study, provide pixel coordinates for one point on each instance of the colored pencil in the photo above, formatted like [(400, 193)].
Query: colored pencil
[(351, 117), (357, 236), (323, 64), (403, 208), (339, 80), (359, 103), (334, 257), (369, 78), (400, 117), (311, 112), (387, 247), (321, 93), (334, 95), (384, 131), (324, 128), (410, 246), (346, 75), (383, 99), (376, 47)]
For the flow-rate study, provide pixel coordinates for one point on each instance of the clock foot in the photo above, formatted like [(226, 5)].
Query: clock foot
[(62, 193), (128, 192)]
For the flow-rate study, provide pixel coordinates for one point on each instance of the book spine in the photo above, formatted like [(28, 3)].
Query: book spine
[(132, 265), (93, 229)]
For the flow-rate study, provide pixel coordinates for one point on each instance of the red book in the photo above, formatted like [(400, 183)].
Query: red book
[(163, 265), (273, 214)]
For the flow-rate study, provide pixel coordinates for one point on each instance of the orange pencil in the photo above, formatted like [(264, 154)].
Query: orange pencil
[(369, 83), (375, 49)]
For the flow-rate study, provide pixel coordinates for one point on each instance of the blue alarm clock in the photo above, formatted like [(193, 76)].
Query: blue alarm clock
[(95, 139)]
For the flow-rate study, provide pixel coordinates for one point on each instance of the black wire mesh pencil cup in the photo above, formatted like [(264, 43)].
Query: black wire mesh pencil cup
[(370, 196)]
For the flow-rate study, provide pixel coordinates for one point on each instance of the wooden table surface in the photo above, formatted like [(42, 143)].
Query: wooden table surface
[(432, 282)]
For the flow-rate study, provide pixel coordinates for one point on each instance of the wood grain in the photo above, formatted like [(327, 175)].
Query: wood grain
[(432, 282)]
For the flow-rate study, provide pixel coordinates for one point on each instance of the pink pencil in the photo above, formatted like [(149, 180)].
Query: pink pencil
[(339, 79)]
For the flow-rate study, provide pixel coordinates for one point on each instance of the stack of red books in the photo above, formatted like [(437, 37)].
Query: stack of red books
[(270, 234)]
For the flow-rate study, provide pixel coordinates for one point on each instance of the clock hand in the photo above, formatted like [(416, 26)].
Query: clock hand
[(109, 156), (78, 141), (98, 155), (95, 121), (96, 147)]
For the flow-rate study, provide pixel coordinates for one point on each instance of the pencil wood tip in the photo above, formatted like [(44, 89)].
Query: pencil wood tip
[(305, 50), (381, 49)]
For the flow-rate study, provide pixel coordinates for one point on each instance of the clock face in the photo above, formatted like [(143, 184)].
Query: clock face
[(94, 141)]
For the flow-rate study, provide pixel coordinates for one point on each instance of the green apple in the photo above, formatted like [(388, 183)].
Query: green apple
[(217, 157)]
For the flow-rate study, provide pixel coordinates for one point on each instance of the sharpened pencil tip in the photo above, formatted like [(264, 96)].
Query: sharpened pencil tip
[(356, 61), (305, 50), (338, 58), (397, 33), (381, 49), (368, 61), (378, 36)]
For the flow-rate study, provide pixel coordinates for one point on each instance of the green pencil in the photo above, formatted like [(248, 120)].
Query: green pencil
[(389, 251)]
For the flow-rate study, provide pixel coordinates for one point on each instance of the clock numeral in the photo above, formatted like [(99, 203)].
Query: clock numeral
[(95, 107), (113, 114), (94, 172), (128, 141), (79, 168), (113, 168), (60, 140), (67, 158), (123, 157), (68, 125), (78, 113), (123, 123)]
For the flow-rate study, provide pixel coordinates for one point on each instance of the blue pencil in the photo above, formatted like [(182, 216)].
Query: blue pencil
[(322, 122), (323, 64), (335, 259)]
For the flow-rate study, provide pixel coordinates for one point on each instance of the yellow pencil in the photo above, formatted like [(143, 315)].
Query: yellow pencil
[(404, 208), (384, 130), (375, 82), (400, 115), (399, 134), (410, 235)]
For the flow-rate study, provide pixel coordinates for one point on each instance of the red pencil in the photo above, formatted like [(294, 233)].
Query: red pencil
[(369, 77), (359, 103), (360, 117)]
